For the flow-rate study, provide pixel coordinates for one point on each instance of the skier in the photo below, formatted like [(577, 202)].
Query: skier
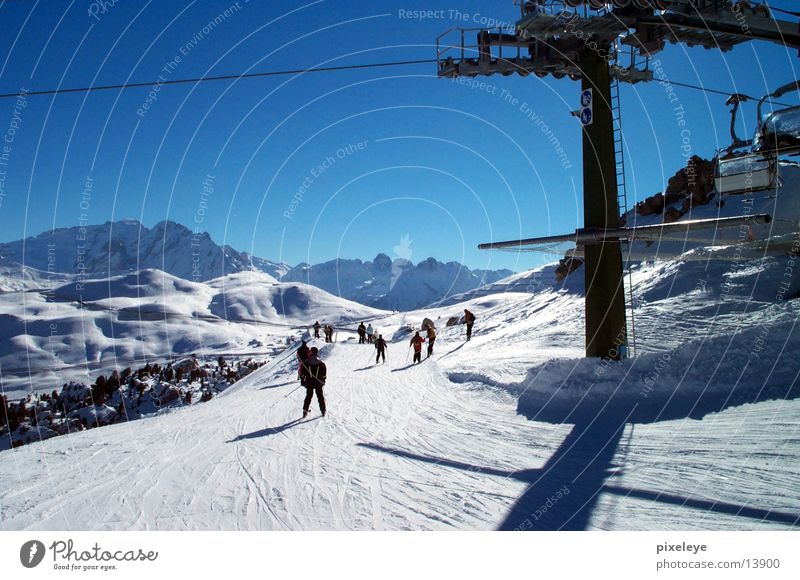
[(362, 333), (370, 334), (380, 345), (416, 342), (302, 355), (313, 379), (316, 329), (431, 338), (469, 320)]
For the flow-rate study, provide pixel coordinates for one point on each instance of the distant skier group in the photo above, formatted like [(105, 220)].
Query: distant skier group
[(368, 335), (430, 330), (313, 372), (417, 342), (327, 329)]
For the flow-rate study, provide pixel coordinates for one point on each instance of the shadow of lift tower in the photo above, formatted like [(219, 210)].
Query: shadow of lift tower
[(588, 40)]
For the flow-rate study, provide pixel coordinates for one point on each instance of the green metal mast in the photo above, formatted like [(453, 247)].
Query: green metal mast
[(605, 292)]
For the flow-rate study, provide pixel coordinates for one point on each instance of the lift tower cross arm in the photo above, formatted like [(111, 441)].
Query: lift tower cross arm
[(702, 29)]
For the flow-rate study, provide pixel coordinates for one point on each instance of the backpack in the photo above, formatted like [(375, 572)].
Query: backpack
[(313, 374)]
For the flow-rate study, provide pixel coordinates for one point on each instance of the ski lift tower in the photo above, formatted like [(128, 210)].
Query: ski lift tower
[(604, 43)]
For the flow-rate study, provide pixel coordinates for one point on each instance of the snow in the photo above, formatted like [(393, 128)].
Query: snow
[(693, 380), (99, 251), (17, 278), (82, 329), (511, 430)]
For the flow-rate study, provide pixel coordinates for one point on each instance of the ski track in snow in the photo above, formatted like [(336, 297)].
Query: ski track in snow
[(211, 471), (440, 445), (311, 475)]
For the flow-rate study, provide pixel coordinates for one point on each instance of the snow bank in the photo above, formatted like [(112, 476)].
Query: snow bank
[(693, 380)]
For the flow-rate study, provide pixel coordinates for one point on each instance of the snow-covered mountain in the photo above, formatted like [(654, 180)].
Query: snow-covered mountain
[(127, 246), (113, 248), (74, 331), (394, 284)]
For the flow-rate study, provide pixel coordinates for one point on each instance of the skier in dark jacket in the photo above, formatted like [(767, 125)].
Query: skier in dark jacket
[(416, 342), (380, 345), (313, 378), (316, 329), (431, 338), (469, 320), (302, 355), (362, 333)]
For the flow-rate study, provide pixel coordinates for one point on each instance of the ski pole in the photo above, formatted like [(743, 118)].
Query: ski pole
[(293, 390), (408, 351)]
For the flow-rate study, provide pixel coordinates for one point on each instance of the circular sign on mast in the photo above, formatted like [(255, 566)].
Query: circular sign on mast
[(586, 107)]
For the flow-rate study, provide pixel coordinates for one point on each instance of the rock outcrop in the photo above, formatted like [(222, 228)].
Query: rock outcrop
[(691, 186), (566, 266)]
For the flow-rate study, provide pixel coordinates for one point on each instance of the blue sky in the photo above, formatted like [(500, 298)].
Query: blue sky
[(379, 154)]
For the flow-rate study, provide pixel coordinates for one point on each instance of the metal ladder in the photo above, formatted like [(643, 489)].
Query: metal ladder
[(622, 198), (619, 149)]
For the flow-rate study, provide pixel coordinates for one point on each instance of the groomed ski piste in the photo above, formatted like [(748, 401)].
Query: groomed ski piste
[(511, 430)]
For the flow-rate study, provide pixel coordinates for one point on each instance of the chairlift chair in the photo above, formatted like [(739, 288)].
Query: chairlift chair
[(740, 170)]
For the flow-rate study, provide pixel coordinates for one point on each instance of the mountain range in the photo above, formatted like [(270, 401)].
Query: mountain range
[(393, 284), (114, 248)]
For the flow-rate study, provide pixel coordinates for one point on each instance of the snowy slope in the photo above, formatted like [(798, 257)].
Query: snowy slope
[(83, 328), (511, 430), (17, 278), (404, 448), (249, 295), (536, 280)]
